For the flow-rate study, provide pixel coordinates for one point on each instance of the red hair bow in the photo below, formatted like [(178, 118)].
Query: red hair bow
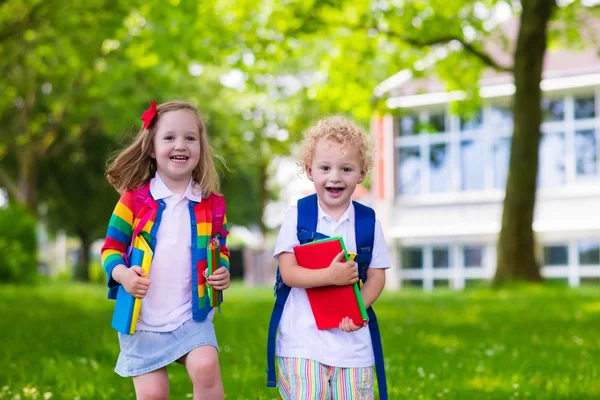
[(149, 115)]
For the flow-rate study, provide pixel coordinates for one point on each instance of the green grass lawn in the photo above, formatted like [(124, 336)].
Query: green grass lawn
[(527, 343)]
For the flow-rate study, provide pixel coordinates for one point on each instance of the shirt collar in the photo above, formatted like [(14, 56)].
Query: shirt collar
[(347, 215), (159, 190)]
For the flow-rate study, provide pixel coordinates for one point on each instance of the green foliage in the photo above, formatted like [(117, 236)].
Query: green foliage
[(18, 262), (532, 343)]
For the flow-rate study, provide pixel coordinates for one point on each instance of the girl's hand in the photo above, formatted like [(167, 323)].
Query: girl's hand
[(348, 326), (342, 273), (134, 282), (220, 279)]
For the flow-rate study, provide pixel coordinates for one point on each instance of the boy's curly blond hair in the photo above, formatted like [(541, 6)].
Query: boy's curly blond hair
[(341, 130)]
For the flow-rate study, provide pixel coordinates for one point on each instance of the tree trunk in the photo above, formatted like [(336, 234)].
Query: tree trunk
[(516, 244), (82, 266), (28, 180)]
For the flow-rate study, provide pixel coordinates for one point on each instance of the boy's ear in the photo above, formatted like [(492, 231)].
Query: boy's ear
[(309, 173), (363, 175)]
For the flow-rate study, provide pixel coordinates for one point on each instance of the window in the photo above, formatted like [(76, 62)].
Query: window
[(589, 252), (552, 160), (500, 118), (585, 153), (585, 107), (440, 168), (441, 257), (556, 255), (408, 125), (501, 156), (553, 110), (472, 164), (437, 122), (409, 170), (473, 256), (412, 257), (472, 122)]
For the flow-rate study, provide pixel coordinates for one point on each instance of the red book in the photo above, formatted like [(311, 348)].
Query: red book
[(330, 304)]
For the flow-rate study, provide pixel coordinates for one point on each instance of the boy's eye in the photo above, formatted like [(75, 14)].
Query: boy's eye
[(325, 168), (347, 169)]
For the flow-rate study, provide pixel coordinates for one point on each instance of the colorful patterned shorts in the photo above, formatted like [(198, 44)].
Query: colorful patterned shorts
[(303, 379)]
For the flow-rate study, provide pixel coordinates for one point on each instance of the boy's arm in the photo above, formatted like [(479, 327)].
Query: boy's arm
[(118, 237), (294, 275), (373, 286), (339, 272), (376, 272)]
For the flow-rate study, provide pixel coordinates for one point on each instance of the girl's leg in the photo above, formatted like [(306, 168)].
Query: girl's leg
[(152, 386), (352, 384), (303, 379), (202, 365)]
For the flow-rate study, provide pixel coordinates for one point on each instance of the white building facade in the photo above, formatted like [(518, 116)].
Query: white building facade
[(439, 179)]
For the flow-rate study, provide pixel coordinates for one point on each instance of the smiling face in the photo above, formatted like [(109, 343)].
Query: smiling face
[(176, 148), (335, 171)]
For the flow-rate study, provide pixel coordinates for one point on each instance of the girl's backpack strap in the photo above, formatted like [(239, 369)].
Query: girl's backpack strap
[(218, 211), (141, 193), (140, 197)]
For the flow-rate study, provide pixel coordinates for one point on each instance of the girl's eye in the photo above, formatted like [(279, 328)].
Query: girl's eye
[(191, 138), (347, 169), (168, 137), (324, 168)]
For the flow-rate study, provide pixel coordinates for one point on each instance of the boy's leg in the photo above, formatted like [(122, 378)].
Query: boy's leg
[(353, 384), (302, 379), (152, 386), (202, 365)]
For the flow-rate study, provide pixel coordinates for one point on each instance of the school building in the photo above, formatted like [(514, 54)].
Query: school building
[(439, 179)]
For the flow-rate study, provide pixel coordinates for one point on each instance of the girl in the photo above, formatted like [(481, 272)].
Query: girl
[(169, 186)]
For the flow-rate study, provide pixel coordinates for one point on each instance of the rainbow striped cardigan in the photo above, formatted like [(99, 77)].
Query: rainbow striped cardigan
[(122, 224)]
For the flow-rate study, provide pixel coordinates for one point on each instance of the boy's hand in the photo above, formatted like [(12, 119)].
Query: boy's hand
[(220, 279), (134, 282), (342, 273), (347, 325)]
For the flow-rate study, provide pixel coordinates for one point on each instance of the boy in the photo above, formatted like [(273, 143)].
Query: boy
[(334, 363)]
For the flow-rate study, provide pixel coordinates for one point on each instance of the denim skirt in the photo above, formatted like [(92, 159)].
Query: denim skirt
[(146, 351)]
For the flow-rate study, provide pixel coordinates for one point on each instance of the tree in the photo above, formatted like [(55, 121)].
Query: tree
[(516, 244), (44, 72), (77, 197), (362, 40)]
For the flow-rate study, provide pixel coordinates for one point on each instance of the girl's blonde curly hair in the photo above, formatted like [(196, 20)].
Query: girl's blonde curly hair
[(341, 130)]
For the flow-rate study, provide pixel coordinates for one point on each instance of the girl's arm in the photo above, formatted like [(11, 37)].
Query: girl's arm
[(373, 286), (118, 237), (339, 273)]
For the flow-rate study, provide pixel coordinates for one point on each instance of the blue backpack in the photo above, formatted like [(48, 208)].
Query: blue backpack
[(307, 232)]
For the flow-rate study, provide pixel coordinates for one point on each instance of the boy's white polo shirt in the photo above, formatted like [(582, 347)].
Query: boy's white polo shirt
[(168, 302), (298, 334)]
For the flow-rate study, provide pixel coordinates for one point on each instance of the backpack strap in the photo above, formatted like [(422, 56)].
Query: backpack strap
[(364, 229), (308, 212), (306, 227), (141, 208), (218, 216)]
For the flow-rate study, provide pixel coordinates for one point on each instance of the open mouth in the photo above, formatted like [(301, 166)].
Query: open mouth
[(335, 190), (179, 159)]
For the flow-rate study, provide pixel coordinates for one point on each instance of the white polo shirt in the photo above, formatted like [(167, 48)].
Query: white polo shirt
[(298, 334), (168, 302)]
